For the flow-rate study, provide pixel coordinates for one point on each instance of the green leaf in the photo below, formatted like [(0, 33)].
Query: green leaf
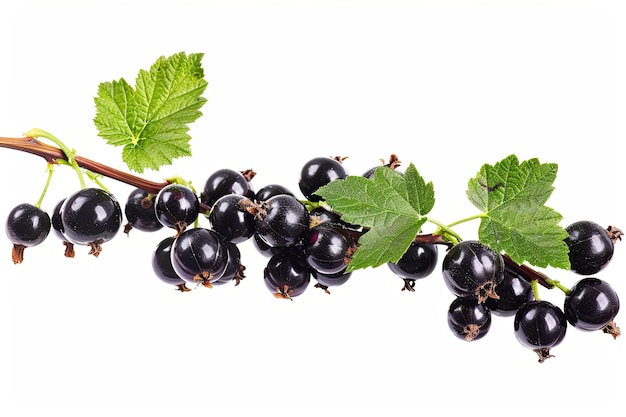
[(151, 120), (516, 221), (391, 206), (420, 195)]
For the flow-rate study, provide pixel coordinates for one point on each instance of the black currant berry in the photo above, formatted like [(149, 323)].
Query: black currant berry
[(468, 319), (282, 220), (513, 292), (472, 269), (590, 247), (227, 181), (91, 216), (271, 190), (287, 274), (419, 261), (393, 164), (318, 172), (328, 250), (55, 220), (57, 227), (162, 264), (540, 325), (592, 304), (26, 226), (176, 206), (199, 256), (139, 211), (234, 270), (324, 281), (263, 248), (230, 218)]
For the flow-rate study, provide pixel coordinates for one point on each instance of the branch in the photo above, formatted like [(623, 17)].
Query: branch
[(529, 273), (52, 154)]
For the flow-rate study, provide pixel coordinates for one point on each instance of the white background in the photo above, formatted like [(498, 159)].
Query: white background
[(447, 85)]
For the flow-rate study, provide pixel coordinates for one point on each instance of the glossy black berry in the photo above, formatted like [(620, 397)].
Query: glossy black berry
[(139, 211), (328, 250), (590, 247), (162, 264), (58, 229), (263, 247), (325, 281), (234, 270), (513, 292), (472, 269), (468, 319), (199, 256), (318, 172), (592, 304), (176, 206), (225, 181), (91, 216), (55, 220), (540, 325), (287, 275), (271, 190), (26, 226), (419, 261), (230, 218), (282, 220)]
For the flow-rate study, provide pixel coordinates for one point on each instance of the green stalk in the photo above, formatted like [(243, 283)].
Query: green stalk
[(96, 178), (447, 230), (467, 219), (312, 205), (180, 180), (38, 133), (560, 286), (535, 289), (50, 170)]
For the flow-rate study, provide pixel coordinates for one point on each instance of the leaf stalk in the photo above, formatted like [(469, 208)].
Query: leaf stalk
[(467, 219), (445, 231)]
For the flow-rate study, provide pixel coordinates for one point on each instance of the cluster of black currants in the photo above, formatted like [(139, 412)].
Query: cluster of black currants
[(300, 245), (486, 282), (89, 217), (305, 242)]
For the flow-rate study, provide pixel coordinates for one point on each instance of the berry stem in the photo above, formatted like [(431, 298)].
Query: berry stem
[(95, 177), (311, 205), (535, 289), (558, 285), (50, 169), (69, 154)]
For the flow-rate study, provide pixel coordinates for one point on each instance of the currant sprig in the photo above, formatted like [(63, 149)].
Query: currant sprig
[(344, 223)]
